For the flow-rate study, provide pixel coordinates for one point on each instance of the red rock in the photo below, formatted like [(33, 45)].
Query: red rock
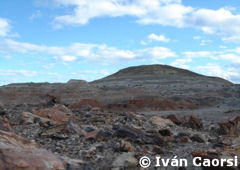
[(183, 139), (174, 119), (17, 154), (4, 124), (230, 127), (92, 135), (58, 113), (99, 135), (192, 122), (187, 121), (87, 104)]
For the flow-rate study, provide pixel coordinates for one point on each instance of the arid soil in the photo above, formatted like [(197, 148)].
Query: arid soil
[(111, 123)]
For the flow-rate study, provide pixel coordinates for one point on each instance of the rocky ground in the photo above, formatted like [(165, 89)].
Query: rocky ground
[(76, 126)]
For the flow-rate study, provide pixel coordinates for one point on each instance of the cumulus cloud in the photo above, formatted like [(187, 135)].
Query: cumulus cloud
[(182, 63), (160, 38), (89, 52), (66, 58), (216, 70), (4, 27), (163, 12)]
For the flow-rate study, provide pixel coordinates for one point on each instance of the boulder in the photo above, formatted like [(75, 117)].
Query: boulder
[(165, 132), (192, 122), (187, 121), (174, 119), (161, 122), (230, 127), (4, 125), (137, 135), (17, 154), (2, 109), (29, 118), (198, 138), (58, 113)]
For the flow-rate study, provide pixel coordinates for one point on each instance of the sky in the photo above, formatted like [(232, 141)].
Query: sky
[(58, 40)]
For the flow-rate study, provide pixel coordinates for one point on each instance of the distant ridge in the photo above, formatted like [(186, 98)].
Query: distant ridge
[(159, 71)]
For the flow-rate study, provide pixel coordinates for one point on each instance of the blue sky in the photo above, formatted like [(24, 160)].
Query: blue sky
[(58, 40)]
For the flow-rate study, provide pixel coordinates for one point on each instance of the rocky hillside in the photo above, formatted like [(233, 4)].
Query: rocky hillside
[(46, 93), (162, 87), (152, 87)]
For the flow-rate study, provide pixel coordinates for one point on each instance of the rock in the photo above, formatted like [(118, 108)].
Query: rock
[(192, 122), (58, 113), (181, 134), (157, 150), (161, 122), (85, 105), (165, 132), (99, 135), (126, 146), (198, 138), (187, 121), (4, 125), (2, 110), (137, 135), (62, 131), (183, 139), (17, 153), (27, 118), (230, 127), (174, 119), (125, 160), (89, 129), (96, 110)]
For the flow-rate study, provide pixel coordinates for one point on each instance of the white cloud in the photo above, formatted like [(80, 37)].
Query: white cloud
[(66, 58), (4, 27), (160, 38), (226, 55), (182, 63), (221, 22), (234, 58), (217, 71), (90, 52), (197, 54)]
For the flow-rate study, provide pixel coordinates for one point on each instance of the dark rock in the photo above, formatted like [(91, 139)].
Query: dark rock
[(197, 138), (137, 135), (174, 119), (165, 132), (192, 122)]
